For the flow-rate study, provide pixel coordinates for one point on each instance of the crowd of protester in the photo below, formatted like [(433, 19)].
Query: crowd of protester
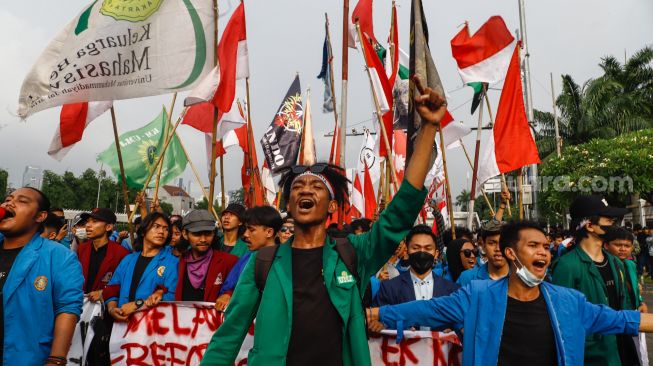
[(514, 293)]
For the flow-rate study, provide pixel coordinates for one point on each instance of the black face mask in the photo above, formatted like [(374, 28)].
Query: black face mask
[(421, 262), (608, 230)]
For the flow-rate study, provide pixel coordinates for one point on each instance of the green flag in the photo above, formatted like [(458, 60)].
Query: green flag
[(140, 151)]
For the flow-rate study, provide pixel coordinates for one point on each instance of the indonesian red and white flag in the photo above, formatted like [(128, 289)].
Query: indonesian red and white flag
[(511, 145), (452, 131), (435, 180), (200, 117), (219, 86), (484, 56), (357, 200), (362, 12), (73, 120), (382, 90), (364, 195)]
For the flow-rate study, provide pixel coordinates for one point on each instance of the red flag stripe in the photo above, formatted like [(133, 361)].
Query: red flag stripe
[(492, 37), (227, 58), (72, 121)]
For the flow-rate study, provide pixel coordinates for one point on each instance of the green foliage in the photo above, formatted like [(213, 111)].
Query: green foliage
[(585, 168), (204, 205), (4, 177), (237, 196), (71, 192), (618, 102), (166, 207)]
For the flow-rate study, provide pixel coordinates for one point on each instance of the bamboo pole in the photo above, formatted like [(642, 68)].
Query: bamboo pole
[(166, 129), (470, 209), (195, 172), (487, 200), (214, 145), (345, 75), (505, 186), (384, 134), (452, 219), (520, 184), (125, 193), (335, 154)]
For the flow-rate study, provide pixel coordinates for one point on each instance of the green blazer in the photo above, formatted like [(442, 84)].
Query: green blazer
[(631, 276), (575, 269), (239, 249), (273, 308)]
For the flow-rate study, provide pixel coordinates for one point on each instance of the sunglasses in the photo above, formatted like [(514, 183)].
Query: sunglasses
[(285, 229), (468, 252), (315, 168)]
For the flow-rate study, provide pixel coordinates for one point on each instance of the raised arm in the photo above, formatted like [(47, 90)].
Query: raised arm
[(375, 247)]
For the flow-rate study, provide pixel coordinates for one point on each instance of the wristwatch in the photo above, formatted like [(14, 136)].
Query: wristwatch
[(139, 303)]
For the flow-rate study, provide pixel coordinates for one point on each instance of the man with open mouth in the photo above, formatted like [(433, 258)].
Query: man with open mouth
[(310, 312), (517, 320)]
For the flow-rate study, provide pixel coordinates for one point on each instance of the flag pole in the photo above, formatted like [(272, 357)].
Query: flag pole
[(345, 76), (503, 176), (384, 134), (250, 145), (334, 156), (125, 193), (487, 200), (159, 159), (470, 207), (446, 182), (214, 148), (166, 129), (197, 176)]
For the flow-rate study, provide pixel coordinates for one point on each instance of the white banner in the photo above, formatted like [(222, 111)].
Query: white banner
[(119, 49), (83, 333), (178, 333)]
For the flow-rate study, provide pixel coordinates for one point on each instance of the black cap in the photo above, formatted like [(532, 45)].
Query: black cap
[(586, 206), (236, 209), (102, 214)]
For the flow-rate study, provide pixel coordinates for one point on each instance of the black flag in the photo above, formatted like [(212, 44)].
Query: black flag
[(281, 141)]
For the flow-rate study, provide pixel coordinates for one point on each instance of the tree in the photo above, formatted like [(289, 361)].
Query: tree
[(166, 207), (462, 200), (204, 205), (4, 177), (614, 168), (618, 102), (81, 192), (237, 196)]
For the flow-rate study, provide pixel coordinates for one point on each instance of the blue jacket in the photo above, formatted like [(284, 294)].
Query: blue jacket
[(45, 281), (400, 289), (477, 273), (481, 307), (161, 271), (234, 275)]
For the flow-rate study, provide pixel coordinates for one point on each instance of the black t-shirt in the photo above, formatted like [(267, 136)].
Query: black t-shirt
[(610, 284), (316, 335), (139, 269), (227, 248), (97, 256), (7, 258), (190, 293), (528, 337)]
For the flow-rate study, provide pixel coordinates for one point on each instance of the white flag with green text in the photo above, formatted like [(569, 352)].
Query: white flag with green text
[(120, 49)]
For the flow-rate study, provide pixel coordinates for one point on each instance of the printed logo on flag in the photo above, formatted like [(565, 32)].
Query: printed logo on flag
[(130, 10), (147, 151)]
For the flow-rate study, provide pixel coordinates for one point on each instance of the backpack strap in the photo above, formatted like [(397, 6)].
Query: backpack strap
[(264, 258), (347, 253)]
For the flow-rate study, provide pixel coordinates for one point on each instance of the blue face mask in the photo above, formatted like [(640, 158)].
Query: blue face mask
[(528, 278)]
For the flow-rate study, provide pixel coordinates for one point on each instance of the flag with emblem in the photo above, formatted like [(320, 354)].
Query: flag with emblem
[(116, 50), (140, 151), (281, 140)]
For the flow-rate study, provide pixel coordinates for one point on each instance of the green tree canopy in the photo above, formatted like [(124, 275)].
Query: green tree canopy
[(614, 168), (4, 177)]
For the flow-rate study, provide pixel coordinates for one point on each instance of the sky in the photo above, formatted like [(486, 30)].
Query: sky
[(284, 38)]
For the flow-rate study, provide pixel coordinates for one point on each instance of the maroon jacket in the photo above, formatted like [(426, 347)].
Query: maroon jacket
[(115, 253), (219, 268)]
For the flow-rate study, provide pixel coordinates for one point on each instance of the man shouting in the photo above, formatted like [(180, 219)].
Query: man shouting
[(309, 311)]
